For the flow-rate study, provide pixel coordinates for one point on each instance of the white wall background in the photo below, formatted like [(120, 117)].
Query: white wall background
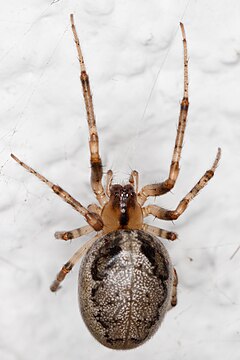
[(128, 46)]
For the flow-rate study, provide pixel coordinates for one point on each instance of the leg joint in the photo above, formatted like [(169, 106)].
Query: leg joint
[(94, 221), (171, 215)]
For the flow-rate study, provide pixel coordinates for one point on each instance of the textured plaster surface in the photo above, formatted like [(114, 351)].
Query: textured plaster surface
[(133, 53)]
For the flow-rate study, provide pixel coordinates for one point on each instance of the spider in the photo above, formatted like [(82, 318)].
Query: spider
[(123, 207)]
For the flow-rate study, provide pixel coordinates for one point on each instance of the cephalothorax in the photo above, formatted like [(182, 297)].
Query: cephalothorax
[(126, 280)]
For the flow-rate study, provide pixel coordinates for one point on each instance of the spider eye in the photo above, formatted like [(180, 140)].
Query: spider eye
[(131, 192)]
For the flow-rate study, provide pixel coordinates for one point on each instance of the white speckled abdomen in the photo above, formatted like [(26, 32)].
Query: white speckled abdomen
[(125, 285)]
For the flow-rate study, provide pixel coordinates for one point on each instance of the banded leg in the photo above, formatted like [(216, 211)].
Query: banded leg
[(164, 214), (133, 180), (174, 290), (168, 184), (109, 182), (73, 234), (71, 262), (93, 219), (95, 160), (153, 230)]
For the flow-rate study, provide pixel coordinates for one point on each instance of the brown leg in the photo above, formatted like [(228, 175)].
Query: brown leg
[(167, 185), (153, 230), (94, 208), (95, 160), (133, 180), (93, 219), (71, 262), (174, 289), (109, 182), (165, 214), (73, 234)]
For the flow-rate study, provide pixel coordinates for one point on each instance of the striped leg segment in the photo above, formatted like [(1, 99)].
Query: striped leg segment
[(168, 184), (95, 159), (165, 214), (73, 234), (93, 219), (153, 230), (174, 289), (71, 262)]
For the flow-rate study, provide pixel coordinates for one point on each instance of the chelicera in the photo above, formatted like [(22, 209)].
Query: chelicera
[(126, 281)]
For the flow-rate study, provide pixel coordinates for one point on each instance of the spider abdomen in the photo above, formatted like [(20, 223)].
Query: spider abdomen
[(125, 284)]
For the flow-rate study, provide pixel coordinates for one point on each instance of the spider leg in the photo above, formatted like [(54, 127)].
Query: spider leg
[(153, 230), (109, 182), (94, 220), (73, 234), (165, 214), (133, 180), (95, 159), (71, 262), (168, 184), (174, 290), (95, 209)]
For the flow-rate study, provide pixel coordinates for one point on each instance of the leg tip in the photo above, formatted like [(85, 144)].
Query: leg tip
[(55, 286), (172, 236)]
